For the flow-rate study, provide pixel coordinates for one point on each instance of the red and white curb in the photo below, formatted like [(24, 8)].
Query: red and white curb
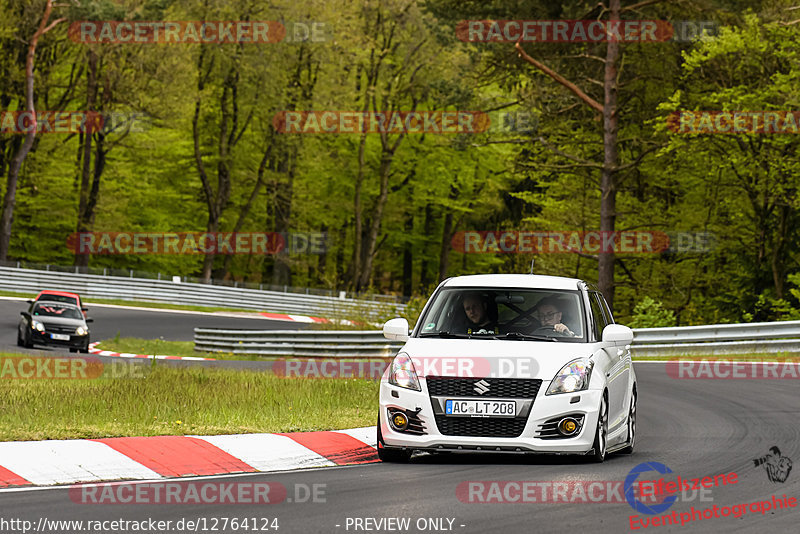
[(94, 350), (52, 462)]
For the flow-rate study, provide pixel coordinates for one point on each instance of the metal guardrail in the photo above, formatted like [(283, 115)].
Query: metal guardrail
[(137, 289), (297, 343), (701, 340)]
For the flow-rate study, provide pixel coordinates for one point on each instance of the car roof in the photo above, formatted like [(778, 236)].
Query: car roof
[(58, 303), (52, 292), (533, 281)]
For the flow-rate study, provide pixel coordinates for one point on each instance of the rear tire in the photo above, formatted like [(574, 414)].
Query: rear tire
[(601, 435), (631, 426), (391, 455), (19, 339)]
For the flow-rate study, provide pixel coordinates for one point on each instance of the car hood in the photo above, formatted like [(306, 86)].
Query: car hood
[(493, 357), (59, 321)]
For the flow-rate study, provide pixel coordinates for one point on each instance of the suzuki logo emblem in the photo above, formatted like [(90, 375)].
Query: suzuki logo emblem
[(481, 387)]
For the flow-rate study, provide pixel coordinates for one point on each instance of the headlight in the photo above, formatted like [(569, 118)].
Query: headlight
[(81, 331), (36, 325), (403, 373), (572, 377)]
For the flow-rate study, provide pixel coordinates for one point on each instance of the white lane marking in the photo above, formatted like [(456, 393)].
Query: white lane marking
[(268, 452), (69, 461)]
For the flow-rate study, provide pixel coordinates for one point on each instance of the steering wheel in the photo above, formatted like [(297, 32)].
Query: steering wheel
[(548, 330)]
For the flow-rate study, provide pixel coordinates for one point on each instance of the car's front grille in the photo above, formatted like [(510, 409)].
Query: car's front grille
[(490, 427), (59, 329), (481, 426), (511, 388)]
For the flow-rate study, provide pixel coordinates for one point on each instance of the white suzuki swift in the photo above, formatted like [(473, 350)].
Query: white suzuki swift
[(510, 363)]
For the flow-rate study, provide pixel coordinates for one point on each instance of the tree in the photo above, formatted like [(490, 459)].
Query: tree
[(9, 200)]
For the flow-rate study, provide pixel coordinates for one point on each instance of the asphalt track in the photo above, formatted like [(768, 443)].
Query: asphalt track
[(696, 427)]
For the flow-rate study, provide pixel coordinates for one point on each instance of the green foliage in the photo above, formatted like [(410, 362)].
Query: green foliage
[(651, 314), (740, 188)]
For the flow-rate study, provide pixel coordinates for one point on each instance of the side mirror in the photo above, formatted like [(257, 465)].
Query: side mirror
[(396, 329), (89, 320), (84, 308), (617, 334), (30, 301)]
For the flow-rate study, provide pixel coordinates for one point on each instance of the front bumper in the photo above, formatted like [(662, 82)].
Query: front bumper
[(544, 408), (74, 342)]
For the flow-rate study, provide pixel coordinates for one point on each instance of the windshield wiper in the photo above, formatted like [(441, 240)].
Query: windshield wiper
[(525, 337), (445, 334)]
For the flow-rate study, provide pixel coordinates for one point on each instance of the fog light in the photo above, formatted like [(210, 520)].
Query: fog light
[(399, 421), (568, 426)]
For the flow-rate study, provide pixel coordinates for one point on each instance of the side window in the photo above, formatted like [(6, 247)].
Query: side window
[(609, 317), (598, 317)]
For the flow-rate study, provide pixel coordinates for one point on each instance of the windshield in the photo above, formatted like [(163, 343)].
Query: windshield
[(59, 298), (505, 313), (54, 309)]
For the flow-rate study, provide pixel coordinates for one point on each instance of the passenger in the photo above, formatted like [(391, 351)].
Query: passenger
[(479, 321)]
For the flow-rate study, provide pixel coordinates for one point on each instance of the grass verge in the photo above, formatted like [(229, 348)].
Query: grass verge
[(176, 401)]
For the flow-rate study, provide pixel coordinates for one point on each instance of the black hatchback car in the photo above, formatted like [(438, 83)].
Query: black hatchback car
[(56, 324)]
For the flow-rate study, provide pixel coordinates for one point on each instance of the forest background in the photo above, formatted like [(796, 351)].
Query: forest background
[(578, 143)]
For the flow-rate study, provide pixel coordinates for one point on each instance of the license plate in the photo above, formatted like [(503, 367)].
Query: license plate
[(60, 337), (480, 408)]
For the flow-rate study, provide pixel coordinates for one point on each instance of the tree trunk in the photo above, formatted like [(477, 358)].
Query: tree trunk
[(444, 250), (424, 270), (84, 216), (608, 191), (377, 218), (245, 210), (408, 254), (10, 200)]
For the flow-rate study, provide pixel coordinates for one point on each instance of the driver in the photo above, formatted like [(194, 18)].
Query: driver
[(476, 309), (549, 314)]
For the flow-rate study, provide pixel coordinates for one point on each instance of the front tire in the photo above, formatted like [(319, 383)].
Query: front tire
[(27, 342), (601, 435), (390, 455), (631, 426)]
